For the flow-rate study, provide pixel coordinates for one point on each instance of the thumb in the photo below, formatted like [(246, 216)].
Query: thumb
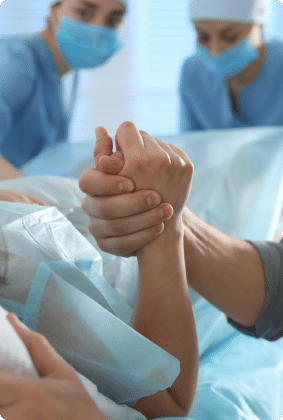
[(45, 359), (112, 165), (103, 145)]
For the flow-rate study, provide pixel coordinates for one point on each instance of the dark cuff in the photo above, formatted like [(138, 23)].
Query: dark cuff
[(269, 324)]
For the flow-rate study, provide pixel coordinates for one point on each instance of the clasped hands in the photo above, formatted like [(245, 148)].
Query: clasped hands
[(134, 191)]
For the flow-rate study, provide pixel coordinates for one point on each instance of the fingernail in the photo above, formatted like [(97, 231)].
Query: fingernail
[(161, 214), (125, 187), (98, 133), (158, 228), (151, 200)]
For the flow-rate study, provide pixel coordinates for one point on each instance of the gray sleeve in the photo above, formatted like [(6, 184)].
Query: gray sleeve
[(269, 324)]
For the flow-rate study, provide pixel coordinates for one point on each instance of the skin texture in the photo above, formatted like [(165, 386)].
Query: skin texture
[(19, 197), (163, 310), (106, 13), (217, 36), (97, 185), (57, 394), (226, 271), (8, 171)]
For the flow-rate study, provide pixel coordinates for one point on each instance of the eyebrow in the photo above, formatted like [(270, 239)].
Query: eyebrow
[(95, 7), (228, 29), (223, 31), (89, 4)]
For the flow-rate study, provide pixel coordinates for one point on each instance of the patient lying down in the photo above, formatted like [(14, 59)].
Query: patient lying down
[(163, 312)]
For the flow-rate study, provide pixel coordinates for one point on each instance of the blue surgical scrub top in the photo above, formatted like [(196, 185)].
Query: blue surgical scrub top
[(32, 112), (206, 103)]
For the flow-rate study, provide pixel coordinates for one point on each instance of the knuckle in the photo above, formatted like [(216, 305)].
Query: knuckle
[(190, 166), (116, 228), (97, 228), (163, 161), (139, 164), (92, 227), (144, 133), (102, 210)]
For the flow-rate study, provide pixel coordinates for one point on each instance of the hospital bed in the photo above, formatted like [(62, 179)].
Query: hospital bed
[(238, 188)]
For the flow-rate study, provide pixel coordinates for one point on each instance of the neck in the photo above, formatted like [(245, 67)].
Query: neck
[(48, 35), (249, 74)]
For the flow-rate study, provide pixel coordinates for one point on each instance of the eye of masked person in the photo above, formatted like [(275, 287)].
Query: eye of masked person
[(229, 38)]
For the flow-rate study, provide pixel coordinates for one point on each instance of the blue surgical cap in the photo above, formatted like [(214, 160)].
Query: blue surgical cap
[(255, 11)]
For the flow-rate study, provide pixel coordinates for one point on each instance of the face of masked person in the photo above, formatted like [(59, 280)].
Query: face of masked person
[(227, 48), (87, 31)]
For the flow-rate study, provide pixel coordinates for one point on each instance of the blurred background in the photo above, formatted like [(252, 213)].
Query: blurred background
[(141, 82)]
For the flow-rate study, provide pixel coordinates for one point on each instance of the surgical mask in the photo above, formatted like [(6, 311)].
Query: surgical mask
[(86, 46), (230, 62)]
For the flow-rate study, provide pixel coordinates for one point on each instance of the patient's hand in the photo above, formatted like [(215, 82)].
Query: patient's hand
[(19, 197), (122, 221), (153, 164)]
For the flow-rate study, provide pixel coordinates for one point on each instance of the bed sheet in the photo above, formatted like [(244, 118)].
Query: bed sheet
[(15, 359), (240, 377)]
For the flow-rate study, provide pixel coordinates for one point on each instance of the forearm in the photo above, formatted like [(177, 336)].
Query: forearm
[(227, 272), (8, 171), (164, 315)]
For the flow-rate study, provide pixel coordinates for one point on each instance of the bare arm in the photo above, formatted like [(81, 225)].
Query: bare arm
[(228, 272), (164, 315), (163, 312), (8, 171)]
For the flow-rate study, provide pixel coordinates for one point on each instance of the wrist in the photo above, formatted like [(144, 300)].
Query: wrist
[(173, 235)]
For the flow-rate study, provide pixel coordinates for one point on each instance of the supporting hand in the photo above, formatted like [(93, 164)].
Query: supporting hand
[(57, 394), (122, 219)]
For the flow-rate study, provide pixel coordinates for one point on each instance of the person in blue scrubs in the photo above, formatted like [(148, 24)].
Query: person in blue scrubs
[(80, 34), (235, 78)]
